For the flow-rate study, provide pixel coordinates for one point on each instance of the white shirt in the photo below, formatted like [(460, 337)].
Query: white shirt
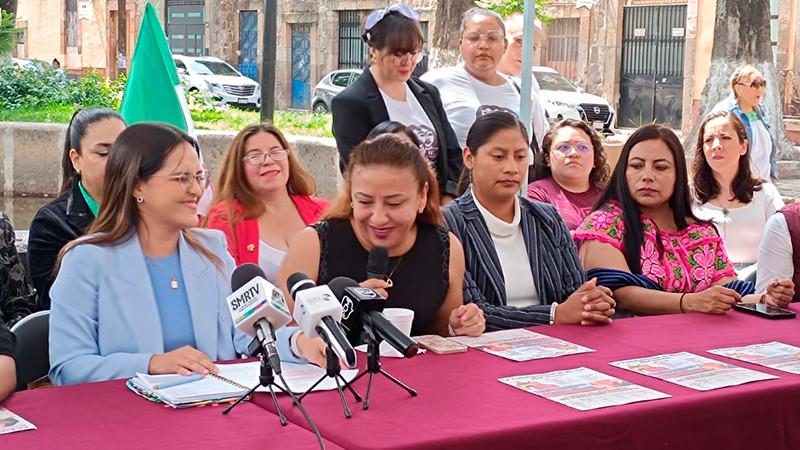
[(760, 149), (775, 253), (509, 243), (741, 230), (466, 98), (411, 114), (270, 260)]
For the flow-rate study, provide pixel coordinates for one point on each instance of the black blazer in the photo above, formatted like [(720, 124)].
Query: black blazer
[(358, 108), (56, 223)]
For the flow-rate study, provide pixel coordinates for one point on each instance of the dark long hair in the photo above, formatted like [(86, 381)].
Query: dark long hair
[(600, 171), (484, 129), (618, 190), (138, 153), (706, 187), (390, 151), (395, 33), (392, 127), (78, 126)]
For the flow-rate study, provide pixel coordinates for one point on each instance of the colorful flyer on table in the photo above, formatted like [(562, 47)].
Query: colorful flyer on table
[(582, 388), (774, 355), (521, 345), (11, 423), (692, 371)]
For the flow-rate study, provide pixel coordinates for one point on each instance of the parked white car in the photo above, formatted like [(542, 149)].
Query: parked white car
[(330, 85), (562, 100), (217, 78)]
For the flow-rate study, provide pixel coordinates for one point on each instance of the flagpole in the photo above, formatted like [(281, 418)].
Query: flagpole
[(268, 55)]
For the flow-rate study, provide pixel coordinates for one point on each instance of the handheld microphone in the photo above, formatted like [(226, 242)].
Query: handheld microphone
[(318, 314), (362, 306), (257, 309), (378, 263)]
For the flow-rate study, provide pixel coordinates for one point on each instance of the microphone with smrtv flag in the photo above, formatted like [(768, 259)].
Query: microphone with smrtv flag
[(361, 311), (318, 312), (258, 308)]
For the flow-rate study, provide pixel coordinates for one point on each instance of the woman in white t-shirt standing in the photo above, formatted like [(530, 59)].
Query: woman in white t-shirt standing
[(748, 86), (476, 87), (726, 193), (387, 91)]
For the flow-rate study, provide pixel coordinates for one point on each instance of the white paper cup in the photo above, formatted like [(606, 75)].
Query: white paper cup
[(402, 318)]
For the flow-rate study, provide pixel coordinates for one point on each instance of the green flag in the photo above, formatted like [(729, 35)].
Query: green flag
[(153, 92)]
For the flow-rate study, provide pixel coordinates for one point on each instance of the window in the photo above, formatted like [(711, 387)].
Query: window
[(340, 79), (774, 9), (563, 39), (180, 65), (353, 52)]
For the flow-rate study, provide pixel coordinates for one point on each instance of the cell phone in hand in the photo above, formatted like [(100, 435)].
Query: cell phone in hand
[(440, 345), (765, 310)]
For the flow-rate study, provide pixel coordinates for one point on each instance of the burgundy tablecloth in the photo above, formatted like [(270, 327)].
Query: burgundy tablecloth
[(462, 405), (108, 415)]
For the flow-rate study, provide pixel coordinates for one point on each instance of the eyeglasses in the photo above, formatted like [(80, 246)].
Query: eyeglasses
[(755, 84), (186, 179), (581, 147), (258, 158), (399, 58), (492, 37), (378, 15)]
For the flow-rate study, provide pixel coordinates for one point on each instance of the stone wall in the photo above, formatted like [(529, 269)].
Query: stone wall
[(30, 157)]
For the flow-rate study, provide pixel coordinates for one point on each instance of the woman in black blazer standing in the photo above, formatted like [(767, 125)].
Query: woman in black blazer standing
[(387, 91)]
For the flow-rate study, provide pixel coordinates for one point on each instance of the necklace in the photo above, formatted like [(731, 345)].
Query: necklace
[(394, 269), (173, 281), (726, 210)]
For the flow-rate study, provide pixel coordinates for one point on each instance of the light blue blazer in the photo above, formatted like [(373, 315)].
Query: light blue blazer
[(104, 321)]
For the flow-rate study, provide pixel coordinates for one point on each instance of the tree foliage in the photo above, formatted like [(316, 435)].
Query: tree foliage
[(506, 7), (8, 32)]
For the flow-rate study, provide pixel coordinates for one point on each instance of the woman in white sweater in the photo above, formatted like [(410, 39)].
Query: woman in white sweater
[(725, 191)]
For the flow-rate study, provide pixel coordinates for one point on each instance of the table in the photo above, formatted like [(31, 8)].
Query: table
[(108, 415), (462, 405)]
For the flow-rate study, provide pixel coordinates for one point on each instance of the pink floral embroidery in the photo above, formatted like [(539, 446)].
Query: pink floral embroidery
[(601, 221), (705, 269), (651, 265)]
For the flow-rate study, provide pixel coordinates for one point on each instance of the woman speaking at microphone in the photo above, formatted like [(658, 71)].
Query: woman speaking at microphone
[(143, 292), (390, 200)]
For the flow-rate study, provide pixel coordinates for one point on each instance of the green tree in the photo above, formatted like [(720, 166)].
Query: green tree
[(8, 33), (506, 7)]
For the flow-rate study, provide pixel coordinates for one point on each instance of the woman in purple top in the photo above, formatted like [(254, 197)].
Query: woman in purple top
[(570, 171)]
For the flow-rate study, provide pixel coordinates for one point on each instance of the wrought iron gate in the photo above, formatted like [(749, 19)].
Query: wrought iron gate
[(248, 44), (301, 65), (651, 84)]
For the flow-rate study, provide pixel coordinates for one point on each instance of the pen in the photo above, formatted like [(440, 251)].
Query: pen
[(178, 382)]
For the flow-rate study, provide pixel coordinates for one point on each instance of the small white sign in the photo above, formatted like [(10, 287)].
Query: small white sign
[(677, 32), (639, 32), (85, 10)]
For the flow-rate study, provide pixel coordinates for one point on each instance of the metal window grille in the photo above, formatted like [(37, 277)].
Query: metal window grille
[(353, 52), (562, 46)]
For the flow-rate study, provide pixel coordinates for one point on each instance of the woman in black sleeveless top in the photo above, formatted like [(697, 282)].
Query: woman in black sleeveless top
[(390, 200)]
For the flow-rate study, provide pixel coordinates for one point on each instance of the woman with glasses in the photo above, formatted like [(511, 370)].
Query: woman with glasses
[(387, 91), (522, 268), (570, 171), (90, 136), (748, 86), (263, 198), (476, 87), (144, 292)]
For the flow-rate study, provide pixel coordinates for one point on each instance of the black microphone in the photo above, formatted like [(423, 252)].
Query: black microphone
[(362, 306), (378, 263)]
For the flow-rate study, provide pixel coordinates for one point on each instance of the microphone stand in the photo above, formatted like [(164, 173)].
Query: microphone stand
[(374, 365), (333, 370), (266, 378)]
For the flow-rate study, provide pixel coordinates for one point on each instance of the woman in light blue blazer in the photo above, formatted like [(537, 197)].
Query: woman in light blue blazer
[(143, 291)]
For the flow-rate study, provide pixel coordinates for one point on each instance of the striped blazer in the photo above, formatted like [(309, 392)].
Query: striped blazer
[(557, 272)]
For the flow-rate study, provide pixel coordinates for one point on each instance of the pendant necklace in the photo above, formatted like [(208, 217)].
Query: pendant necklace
[(394, 269), (173, 283)]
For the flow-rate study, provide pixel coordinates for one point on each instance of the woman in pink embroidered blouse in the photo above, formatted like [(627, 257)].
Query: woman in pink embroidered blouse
[(646, 227)]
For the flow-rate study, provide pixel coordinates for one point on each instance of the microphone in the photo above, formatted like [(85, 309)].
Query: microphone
[(378, 263), (318, 314), (363, 306), (257, 309)]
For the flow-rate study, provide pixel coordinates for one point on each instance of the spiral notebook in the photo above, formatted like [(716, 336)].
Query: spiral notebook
[(189, 391)]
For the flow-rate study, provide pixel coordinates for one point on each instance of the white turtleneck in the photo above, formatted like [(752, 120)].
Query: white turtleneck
[(509, 244)]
